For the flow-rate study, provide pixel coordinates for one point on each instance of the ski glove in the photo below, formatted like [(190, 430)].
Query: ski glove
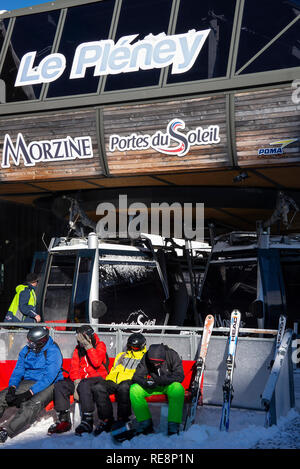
[(75, 394), (84, 341), (150, 384), (10, 395), (161, 380), (24, 396)]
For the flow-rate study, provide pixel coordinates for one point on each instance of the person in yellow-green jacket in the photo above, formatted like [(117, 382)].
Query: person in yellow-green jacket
[(118, 382), (23, 305)]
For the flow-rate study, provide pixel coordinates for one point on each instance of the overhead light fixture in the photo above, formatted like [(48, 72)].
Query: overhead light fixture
[(241, 177)]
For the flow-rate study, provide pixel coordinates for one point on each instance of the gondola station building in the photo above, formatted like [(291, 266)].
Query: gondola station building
[(174, 101)]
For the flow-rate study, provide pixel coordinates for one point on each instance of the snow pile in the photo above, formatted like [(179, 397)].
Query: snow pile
[(246, 431)]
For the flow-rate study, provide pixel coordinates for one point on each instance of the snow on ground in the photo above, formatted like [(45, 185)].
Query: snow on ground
[(246, 431)]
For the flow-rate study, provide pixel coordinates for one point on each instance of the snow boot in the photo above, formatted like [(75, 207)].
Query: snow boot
[(63, 423), (86, 424), (104, 426), (3, 435), (145, 427), (173, 428)]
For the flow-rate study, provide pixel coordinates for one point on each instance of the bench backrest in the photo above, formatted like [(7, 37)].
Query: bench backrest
[(7, 367)]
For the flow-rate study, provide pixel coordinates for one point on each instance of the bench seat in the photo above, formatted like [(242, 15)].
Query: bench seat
[(7, 367)]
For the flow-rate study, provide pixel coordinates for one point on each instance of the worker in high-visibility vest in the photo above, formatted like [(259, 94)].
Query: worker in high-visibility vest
[(23, 306)]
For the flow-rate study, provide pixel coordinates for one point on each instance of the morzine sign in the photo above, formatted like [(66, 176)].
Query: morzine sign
[(50, 145), (44, 151)]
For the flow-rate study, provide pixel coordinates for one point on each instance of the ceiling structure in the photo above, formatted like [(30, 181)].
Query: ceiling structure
[(228, 205)]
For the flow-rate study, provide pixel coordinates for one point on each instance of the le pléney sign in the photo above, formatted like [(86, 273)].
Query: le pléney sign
[(109, 58)]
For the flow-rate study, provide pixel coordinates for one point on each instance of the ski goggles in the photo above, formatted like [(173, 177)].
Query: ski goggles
[(156, 362), (38, 345)]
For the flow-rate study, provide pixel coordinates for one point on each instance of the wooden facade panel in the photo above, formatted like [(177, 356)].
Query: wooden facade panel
[(267, 127), (46, 138), (129, 181), (287, 177), (147, 121), (215, 178), (65, 185)]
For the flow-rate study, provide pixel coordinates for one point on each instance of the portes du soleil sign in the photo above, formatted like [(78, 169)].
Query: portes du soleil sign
[(171, 142)]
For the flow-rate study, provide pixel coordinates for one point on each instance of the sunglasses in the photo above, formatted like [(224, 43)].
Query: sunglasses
[(155, 362)]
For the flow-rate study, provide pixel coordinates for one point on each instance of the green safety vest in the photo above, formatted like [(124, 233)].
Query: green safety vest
[(14, 307)]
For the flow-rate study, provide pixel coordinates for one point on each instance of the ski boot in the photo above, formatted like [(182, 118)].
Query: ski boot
[(62, 425), (104, 426), (3, 435), (86, 424), (145, 427), (173, 428), (123, 430)]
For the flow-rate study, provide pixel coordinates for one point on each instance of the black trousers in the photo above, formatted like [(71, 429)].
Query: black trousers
[(65, 388), (103, 389), (28, 411)]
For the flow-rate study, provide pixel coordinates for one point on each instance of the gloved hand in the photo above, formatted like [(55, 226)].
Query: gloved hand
[(24, 396), (84, 340), (75, 394), (10, 395), (150, 384), (160, 380)]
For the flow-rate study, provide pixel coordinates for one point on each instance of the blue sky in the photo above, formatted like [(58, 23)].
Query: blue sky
[(15, 4)]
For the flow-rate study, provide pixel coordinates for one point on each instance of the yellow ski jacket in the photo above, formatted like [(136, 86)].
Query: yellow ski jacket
[(125, 365)]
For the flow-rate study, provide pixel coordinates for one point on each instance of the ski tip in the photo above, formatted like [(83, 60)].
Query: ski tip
[(236, 313), (209, 319)]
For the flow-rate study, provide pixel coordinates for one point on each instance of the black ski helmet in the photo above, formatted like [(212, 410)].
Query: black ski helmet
[(136, 342), (85, 329), (37, 337)]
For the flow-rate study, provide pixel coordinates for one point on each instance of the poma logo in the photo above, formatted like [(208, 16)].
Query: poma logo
[(171, 142), (276, 150)]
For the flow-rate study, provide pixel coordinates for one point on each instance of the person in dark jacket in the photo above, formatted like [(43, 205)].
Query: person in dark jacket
[(23, 305), (89, 365), (159, 372), (31, 384)]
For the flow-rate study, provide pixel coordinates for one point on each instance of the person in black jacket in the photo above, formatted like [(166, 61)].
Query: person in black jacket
[(159, 372)]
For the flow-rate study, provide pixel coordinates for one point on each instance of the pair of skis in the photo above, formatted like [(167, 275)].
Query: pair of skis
[(197, 385), (228, 383), (274, 370)]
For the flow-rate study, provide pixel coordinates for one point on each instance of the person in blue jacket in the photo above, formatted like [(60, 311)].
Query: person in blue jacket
[(30, 388)]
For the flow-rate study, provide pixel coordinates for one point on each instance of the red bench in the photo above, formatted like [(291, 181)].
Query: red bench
[(7, 367)]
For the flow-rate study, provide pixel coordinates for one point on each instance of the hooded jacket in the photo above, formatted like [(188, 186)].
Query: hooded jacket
[(125, 365), (170, 371), (91, 363), (44, 367), (24, 302)]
